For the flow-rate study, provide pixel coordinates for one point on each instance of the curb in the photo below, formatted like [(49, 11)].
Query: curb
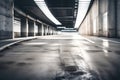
[(13, 43)]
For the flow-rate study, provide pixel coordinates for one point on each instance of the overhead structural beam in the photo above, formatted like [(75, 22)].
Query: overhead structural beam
[(27, 16), (61, 8), (66, 17), (19, 11), (66, 20)]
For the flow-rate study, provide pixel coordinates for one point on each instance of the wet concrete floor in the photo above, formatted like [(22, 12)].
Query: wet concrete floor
[(61, 57)]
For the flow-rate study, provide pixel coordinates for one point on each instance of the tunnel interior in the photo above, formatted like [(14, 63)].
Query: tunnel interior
[(59, 39)]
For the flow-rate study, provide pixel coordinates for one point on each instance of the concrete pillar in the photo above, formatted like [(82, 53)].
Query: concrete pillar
[(47, 30), (6, 19), (106, 18), (39, 29), (100, 30), (36, 29), (44, 29), (53, 31), (50, 30), (111, 19), (17, 27), (100, 16), (117, 17), (31, 29), (24, 27)]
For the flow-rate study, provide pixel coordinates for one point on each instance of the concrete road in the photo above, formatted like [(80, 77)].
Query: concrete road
[(62, 57)]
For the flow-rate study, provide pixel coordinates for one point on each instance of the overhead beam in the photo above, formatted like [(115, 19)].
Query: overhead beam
[(27, 16), (61, 8), (65, 17)]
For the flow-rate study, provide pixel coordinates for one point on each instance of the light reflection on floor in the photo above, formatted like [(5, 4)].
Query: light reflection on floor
[(61, 57)]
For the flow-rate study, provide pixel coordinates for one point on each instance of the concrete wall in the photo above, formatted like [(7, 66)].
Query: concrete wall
[(17, 27), (89, 23), (6, 19), (100, 20), (118, 17)]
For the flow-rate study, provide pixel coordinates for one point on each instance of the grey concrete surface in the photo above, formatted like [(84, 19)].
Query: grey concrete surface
[(61, 57), (6, 19), (102, 19)]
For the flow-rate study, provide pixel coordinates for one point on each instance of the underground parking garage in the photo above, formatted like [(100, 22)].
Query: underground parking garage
[(59, 40)]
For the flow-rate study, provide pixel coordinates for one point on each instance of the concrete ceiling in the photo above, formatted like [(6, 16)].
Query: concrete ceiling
[(64, 11), (30, 7)]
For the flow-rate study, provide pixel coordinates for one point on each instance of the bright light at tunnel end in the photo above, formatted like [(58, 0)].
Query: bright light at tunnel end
[(82, 10), (42, 5)]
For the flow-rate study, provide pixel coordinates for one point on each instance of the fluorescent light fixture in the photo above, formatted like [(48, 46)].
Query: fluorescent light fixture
[(69, 30), (61, 27), (82, 10), (42, 5)]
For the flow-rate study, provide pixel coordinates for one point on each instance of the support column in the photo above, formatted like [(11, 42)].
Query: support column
[(45, 29), (99, 20), (40, 30), (117, 17), (50, 31), (24, 27), (35, 29), (31, 29), (111, 19), (6, 19)]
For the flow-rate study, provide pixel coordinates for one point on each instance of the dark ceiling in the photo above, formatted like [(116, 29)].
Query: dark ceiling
[(30, 7), (64, 10)]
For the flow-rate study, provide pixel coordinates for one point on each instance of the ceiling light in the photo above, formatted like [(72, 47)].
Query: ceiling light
[(42, 5), (82, 10)]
